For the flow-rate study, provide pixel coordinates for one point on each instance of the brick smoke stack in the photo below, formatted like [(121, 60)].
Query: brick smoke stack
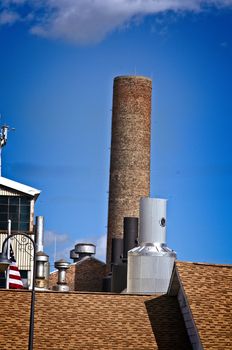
[(130, 151)]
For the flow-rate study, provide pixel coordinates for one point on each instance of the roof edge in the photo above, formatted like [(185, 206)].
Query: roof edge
[(19, 187)]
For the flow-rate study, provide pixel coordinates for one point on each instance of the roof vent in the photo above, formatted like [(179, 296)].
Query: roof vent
[(74, 255), (62, 266), (85, 249)]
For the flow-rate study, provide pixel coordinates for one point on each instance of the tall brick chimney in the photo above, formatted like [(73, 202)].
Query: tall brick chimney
[(130, 151)]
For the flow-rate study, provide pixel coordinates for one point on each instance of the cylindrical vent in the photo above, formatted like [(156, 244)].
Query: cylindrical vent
[(130, 151), (74, 255), (85, 248), (130, 234), (39, 233), (61, 265), (152, 220), (41, 259), (117, 249)]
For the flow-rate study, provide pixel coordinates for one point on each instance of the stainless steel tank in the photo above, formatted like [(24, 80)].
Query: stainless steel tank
[(150, 264)]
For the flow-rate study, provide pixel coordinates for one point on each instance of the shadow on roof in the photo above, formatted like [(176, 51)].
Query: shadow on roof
[(167, 323)]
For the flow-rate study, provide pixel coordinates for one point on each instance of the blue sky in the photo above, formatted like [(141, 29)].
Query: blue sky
[(58, 60)]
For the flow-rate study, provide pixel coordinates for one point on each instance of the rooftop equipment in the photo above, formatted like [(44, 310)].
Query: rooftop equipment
[(116, 256), (62, 266), (85, 249), (74, 255), (117, 249), (150, 264), (39, 233), (82, 250), (41, 278), (130, 239)]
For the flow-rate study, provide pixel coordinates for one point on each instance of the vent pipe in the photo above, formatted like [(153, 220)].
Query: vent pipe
[(117, 249), (150, 264), (130, 234), (41, 277), (119, 269), (62, 266), (39, 233), (74, 255), (85, 249), (152, 227)]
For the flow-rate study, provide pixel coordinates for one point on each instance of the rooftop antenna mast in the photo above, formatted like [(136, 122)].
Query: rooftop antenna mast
[(3, 140)]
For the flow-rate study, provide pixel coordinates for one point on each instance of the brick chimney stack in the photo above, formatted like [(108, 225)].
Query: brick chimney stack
[(130, 152)]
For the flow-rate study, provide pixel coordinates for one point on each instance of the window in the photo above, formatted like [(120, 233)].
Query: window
[(17, 209)]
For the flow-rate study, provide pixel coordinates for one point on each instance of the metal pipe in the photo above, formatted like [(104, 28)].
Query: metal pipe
[(8, 253), (152, 221), (39, 234), (117, 249), (130, 234), (62, 266)]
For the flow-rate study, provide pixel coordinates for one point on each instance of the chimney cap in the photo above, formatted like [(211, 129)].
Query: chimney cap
[(41, 256), (73, 254), (85, 248), (61, 264)]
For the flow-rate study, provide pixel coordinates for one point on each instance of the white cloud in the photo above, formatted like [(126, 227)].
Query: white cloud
[(100, 243), (59, 245), (90, 20), (51, 238), (84, 21), (101, 247), (8, 17)]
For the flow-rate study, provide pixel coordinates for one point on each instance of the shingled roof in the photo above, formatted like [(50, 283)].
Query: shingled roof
[(92, 321), (208, 292)]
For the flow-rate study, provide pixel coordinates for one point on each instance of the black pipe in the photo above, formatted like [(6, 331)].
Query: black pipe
[(117, 249), (130, 236)]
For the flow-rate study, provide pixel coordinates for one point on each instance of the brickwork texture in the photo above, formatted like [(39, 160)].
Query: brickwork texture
[(130, 151), (84, 275)]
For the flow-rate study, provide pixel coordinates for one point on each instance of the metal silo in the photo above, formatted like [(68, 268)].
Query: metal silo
[(150, 264)]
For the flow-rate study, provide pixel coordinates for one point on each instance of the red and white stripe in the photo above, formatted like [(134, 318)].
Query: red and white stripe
[(15, 280)]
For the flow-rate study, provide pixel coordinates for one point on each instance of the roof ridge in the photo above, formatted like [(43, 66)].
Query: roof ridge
[(203, 263)]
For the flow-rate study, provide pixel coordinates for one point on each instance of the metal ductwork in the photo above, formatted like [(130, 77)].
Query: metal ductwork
[(150, 264)]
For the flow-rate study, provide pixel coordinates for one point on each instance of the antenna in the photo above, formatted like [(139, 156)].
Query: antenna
[(3, 140)]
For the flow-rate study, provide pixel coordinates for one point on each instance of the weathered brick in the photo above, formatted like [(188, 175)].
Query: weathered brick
[(130, 151), (84, 275)]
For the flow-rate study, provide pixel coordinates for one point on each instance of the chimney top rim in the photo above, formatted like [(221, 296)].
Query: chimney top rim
[(132, 77)]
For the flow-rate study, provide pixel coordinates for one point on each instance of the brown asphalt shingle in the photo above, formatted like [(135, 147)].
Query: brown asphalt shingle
[(92, 321), (208, 289)]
